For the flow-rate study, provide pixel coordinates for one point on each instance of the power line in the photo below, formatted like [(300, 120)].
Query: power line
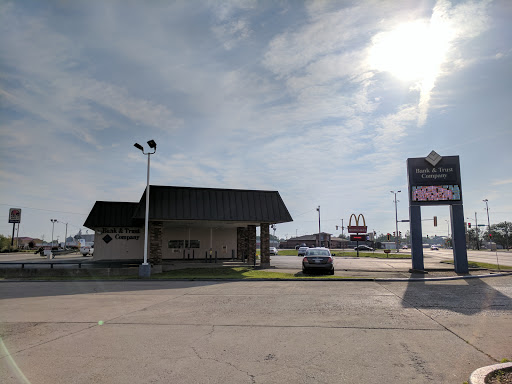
[(47, 210)]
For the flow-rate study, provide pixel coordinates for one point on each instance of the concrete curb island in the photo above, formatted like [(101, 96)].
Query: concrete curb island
[(480, 375)]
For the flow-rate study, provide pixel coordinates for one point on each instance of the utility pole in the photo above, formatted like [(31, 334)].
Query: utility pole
[(488, 221), (506, 232), (477, 236), (51, 248)]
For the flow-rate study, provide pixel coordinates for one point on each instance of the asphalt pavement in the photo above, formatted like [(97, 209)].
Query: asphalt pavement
[(253, 331)]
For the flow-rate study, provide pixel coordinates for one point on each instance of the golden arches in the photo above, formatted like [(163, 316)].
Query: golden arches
[(357, 219)]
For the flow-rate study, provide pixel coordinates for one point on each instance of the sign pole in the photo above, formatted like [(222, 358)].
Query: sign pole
[(12, 238)]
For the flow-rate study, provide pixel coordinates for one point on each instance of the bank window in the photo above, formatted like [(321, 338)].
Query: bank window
[(184, 244)]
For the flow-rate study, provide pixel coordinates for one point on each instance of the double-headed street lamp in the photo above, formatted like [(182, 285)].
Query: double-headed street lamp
[(396, 220), (51, 248), (145, 269)]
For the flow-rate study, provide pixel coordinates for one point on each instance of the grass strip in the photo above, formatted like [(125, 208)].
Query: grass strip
[(375, 255), (476, 264), (239, 273)]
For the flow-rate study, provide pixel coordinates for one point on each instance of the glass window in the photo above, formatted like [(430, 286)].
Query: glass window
[(184, 244)]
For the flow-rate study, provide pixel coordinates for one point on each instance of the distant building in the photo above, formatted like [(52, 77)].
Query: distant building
[(310, 241)]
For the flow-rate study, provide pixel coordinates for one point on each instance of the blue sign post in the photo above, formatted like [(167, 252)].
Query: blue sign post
[(435, 180)]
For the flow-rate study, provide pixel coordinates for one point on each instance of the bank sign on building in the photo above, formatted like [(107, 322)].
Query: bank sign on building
[(187, 223)]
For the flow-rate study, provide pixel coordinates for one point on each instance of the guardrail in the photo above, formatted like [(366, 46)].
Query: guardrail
[(113, 264)]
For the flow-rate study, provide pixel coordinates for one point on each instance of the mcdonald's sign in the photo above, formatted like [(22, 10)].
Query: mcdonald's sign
[(357, 228)]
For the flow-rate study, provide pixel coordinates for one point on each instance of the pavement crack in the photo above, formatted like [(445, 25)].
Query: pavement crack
[(251, 377)]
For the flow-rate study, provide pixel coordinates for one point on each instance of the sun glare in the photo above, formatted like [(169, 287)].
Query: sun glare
[(412, 51)]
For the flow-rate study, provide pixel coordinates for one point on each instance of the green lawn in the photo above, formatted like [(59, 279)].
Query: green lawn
[(475, 264), (378, 254), (375, 255), (234, 273)]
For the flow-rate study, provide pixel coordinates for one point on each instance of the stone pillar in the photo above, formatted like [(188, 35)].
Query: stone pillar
[(241, 242), (265, 244), (155, 242), (416, 238), (251, 243), (460, 255)]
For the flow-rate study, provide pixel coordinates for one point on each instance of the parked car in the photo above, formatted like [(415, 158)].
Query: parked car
[(405, 247), (87, 250), (273, 251), (318, 259), (363, 248), (302, 251), (434, 248)]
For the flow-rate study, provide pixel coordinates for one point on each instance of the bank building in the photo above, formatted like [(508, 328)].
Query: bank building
[(187, 223)]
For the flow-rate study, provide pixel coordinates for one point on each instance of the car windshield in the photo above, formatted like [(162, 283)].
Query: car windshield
[(317, 252)]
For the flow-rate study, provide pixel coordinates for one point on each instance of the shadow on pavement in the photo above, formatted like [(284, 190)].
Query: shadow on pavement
[(467, 297), (22, 289)]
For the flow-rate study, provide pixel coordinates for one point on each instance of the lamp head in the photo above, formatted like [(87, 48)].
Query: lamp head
[(152, 144), (137, 145)]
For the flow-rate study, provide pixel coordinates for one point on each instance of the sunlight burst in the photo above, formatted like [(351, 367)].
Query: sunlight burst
[(412, 51)]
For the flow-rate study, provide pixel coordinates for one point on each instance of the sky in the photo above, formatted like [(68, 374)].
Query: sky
[(323, 101)]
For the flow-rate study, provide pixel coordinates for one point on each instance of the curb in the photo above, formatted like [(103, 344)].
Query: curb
[(375, 279), (478, 376)]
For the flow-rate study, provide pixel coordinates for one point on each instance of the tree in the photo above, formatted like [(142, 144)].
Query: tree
[(5, 242), (473, 240), (501, 234)]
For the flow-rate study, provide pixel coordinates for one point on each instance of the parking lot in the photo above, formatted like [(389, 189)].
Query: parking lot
[(253, 332)]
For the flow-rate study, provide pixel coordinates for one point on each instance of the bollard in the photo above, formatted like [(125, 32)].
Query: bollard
[(215, 257), (193, 254), (205, 256), (183, 254), (188, 255), (232, 255)]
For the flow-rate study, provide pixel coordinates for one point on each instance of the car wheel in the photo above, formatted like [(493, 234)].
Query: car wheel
[(331, 272), (304, 271)]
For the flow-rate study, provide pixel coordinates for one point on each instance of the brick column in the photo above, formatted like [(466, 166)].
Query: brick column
[(241, 242), (265, 244), (251, 243), (155, 242)]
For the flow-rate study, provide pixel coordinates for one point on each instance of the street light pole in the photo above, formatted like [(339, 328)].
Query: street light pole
[(145, 268), (319, 232), (396, 220)]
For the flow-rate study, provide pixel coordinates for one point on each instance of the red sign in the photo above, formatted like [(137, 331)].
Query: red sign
[(358, 237), (357, 229)]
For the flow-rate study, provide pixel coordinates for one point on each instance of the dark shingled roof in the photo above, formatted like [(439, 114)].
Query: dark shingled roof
[(185, 203), (112, 214)]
